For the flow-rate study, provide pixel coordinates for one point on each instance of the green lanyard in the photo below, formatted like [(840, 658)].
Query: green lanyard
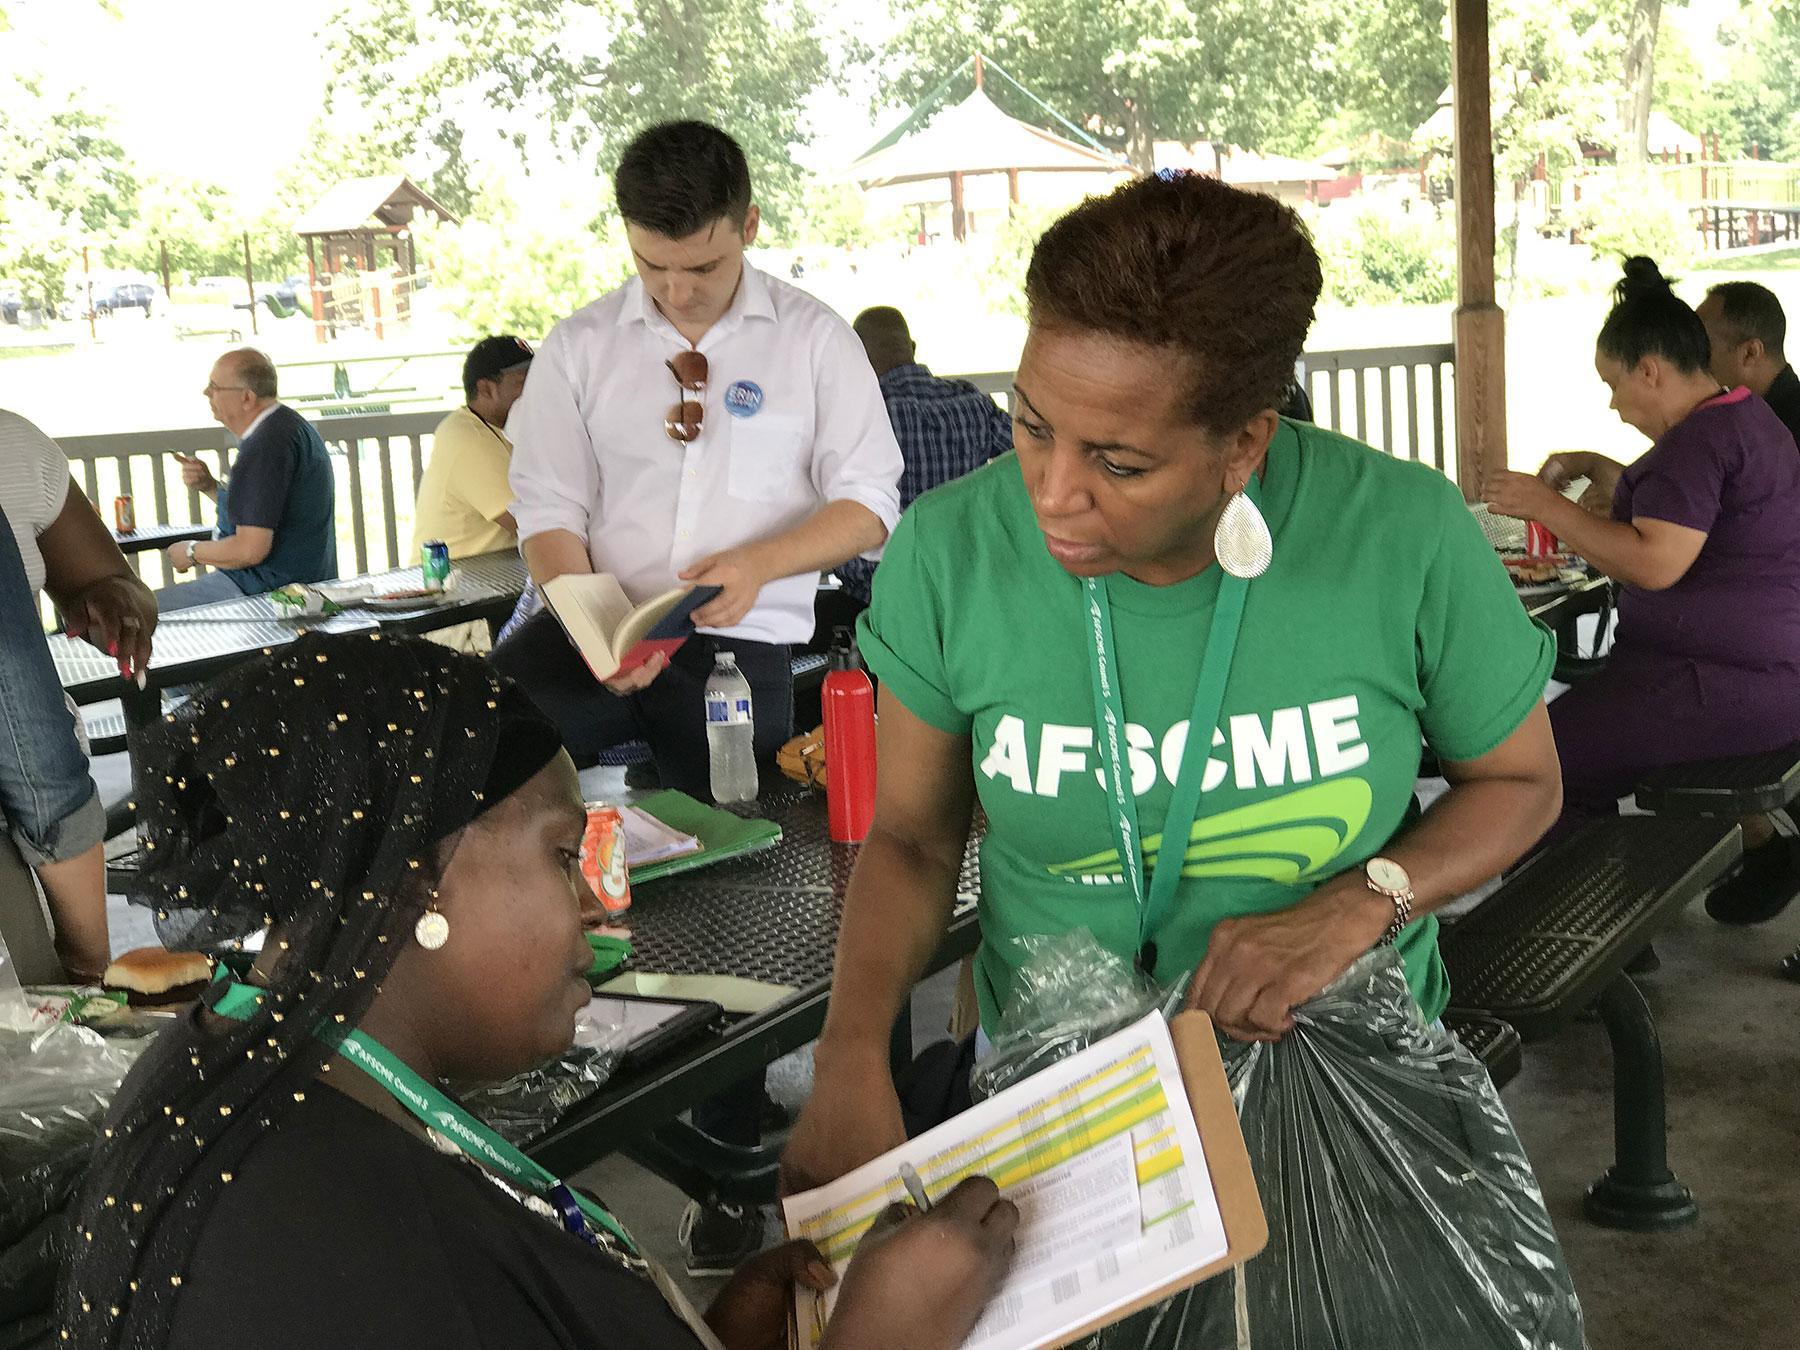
[(438, 1112), (1184, 803)]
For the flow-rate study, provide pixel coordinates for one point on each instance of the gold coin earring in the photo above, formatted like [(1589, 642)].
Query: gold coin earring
[(433, 929)]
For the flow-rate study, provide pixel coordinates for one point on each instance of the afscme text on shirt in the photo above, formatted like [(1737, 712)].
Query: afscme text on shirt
[(1287, 745)]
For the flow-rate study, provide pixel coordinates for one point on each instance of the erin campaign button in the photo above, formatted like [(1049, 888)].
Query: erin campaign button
[(744, 398)]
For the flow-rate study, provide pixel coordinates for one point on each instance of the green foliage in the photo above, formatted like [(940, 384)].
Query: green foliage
[(1148, 70), (504, 274), (1373, 256), (63, 180), (1552, 84), (1694, 102), (203, 232), (1762, 93), (588, 74), (1627, 219), (1000, 272), (1392, 63), (834, 215)]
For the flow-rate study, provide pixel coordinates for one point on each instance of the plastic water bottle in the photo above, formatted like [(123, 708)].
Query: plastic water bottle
[(730, 732)]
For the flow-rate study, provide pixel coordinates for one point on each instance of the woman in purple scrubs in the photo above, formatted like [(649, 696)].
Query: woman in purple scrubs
[(1704, 540)]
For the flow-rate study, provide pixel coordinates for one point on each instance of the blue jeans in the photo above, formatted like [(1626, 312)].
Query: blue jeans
[(48, 801), (215, 585)]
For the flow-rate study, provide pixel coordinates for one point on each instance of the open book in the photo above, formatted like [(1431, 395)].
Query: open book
[(649, 840), (614, 636), (1126, 1163)]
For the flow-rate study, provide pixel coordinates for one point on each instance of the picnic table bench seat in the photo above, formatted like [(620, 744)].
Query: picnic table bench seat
[(1743, 785), (1495, 1043), (1555, 941)]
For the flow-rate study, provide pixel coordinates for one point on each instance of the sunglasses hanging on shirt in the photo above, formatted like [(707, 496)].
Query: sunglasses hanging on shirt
[(683, 421)]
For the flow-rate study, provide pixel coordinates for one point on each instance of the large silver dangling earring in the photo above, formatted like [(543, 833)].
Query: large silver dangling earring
[(433, 929), (1241, 540)]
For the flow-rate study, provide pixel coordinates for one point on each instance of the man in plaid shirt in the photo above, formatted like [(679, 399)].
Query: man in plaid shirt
[(945, 429)]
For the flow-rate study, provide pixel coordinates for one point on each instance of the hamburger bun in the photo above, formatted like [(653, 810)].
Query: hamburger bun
[(153, 975)]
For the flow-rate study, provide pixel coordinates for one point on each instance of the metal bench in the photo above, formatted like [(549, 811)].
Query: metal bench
[(1495, 1043), (1555, 940), (1744, 785), (105, 726)]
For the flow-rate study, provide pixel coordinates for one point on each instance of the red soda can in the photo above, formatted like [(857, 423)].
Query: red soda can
[(1539, 542), (603, 858), (124, 514)]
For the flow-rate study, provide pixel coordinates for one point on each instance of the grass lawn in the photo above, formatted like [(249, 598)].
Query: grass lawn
[(1779, 260)]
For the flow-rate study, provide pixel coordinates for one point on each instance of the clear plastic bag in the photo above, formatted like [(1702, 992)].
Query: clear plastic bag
[(1403, 1213), (1069, 992), (57, 1079), (527, 1104)]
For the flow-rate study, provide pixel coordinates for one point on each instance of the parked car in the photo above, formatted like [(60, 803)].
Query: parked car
[(124, 295)]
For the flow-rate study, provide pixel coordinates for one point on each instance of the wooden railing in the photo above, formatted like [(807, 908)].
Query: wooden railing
[(1397, 399), (1354, 391), (378, 463)]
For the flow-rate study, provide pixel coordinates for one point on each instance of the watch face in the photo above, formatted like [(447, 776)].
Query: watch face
[(1387, 874)]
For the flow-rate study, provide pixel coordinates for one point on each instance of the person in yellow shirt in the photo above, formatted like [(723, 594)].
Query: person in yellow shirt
[(464, 498)]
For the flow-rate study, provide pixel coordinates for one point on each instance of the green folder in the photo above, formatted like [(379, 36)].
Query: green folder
[(721, 834)]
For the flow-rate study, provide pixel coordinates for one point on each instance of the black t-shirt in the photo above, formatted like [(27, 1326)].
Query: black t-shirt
[(1784, 398), (342, 1229)]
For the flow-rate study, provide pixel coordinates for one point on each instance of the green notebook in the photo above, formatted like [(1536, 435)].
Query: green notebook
[(721, 834)]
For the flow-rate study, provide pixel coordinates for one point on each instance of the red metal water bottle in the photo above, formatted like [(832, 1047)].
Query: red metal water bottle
[(848, 702)]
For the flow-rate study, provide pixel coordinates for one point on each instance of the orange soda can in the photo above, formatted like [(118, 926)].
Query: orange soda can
[(124, 514), (603, 858)]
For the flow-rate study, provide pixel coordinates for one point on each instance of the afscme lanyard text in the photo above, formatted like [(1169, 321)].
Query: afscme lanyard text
[(1184, 803), (437, 1111)]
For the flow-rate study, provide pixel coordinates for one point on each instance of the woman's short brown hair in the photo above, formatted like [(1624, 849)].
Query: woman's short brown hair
[(1225, 277)]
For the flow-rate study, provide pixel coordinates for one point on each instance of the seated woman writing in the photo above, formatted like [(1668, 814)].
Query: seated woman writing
[(1703, 535), (1183, 651), (281, 1169)]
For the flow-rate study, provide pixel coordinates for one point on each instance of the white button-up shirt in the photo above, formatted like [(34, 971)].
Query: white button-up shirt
[(794, 419)]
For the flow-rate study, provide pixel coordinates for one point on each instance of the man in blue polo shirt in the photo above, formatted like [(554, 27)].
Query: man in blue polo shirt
[(277, 508)]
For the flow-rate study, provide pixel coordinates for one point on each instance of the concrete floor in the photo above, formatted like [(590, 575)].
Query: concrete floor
[(1731, 1040), (1731, 1045)]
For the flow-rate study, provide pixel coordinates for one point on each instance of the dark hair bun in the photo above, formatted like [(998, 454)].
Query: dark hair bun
[(1649, 319), (1642, 278)]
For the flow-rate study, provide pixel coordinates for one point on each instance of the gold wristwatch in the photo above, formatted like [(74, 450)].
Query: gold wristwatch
[(1389, 878)]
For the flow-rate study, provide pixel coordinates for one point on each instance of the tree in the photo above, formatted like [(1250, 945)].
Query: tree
[(1640, 80), (503, 273), (63, 181), (1695, 102), (1137, 71), (192, 220), (1391, 64), (584, 76), (1762, 93)]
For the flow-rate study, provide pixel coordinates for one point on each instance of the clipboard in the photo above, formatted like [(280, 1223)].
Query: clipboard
[(1196, 1060), (1227, 1159)]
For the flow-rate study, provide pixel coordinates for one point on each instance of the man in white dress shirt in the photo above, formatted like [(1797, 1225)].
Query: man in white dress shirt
[(704, 423)]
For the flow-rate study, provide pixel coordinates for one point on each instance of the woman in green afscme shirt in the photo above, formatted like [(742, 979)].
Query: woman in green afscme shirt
[(1163, 552)]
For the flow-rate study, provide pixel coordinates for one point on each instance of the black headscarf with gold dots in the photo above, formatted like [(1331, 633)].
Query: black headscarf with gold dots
[(309, 790)]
